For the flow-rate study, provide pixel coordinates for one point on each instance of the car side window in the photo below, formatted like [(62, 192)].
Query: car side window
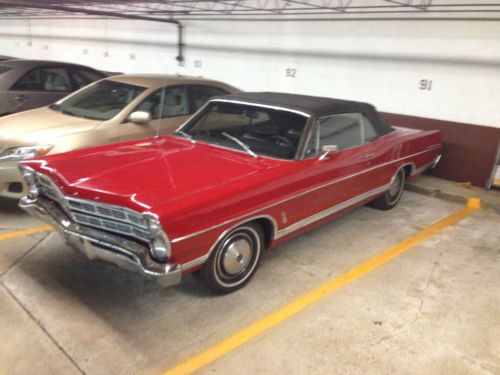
[(369, 132), (166, 102), (201, 94), (83, 77), (43, 79), (342, 130)]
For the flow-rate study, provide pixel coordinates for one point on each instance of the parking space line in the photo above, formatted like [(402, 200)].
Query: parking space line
[(259, 327), (25, 232)]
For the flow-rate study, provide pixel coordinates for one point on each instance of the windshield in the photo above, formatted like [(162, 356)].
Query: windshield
[(100, 101), (252, 129)]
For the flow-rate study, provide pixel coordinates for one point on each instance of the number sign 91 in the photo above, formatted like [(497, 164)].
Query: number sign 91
[(426, 84)]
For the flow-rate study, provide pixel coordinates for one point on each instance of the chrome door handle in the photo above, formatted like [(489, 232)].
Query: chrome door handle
[(368, 155)]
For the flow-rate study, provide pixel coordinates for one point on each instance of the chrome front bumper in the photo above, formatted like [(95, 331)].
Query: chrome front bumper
[(100, 245)]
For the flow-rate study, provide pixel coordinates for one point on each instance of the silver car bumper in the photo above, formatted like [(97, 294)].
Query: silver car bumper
[(100, 245)]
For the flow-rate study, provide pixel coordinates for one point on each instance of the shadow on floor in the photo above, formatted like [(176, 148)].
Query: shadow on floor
[(10, 206)]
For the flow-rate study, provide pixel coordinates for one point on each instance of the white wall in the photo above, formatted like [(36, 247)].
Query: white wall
[(379, 62)]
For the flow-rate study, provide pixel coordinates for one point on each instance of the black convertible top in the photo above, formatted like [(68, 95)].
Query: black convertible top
[(314, 106)]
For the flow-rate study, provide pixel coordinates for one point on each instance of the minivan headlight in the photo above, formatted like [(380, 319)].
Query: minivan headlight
[(21, 153)]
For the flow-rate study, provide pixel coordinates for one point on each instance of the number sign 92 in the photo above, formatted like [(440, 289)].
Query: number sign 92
[(290, 72)]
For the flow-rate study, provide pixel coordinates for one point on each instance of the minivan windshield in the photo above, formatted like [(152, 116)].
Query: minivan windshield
[(100, 101)]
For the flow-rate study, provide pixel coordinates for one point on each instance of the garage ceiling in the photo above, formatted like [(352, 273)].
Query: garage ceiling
[(275, 10)]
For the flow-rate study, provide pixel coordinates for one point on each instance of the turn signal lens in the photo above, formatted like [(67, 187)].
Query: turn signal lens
[(21, 153)]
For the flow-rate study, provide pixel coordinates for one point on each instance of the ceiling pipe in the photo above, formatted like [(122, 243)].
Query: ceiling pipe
[(101, 13)]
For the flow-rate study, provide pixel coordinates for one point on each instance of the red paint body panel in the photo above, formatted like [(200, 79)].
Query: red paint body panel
[(200, 190)]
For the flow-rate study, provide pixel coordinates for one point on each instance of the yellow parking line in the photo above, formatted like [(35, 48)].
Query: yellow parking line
[(246, 334), (25, 232)]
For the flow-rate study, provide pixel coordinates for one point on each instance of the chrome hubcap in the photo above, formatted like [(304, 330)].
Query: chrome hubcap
[(237, 256), (396, 184)]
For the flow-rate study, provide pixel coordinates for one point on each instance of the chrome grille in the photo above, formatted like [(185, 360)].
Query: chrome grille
[(98, 215), (107, 211), (112, 226), (47, 187)]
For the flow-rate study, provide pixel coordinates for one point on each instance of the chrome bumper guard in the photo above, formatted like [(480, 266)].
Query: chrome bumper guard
[(95, 244)]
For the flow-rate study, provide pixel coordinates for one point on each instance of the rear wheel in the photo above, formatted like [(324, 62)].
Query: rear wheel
[(234, 260), (392, 196)]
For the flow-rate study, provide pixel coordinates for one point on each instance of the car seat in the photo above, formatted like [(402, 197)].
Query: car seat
[(55, 82), (174, 104)]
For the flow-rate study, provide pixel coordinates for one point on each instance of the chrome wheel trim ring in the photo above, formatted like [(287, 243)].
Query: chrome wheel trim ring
[(222, 276), (396, 187)]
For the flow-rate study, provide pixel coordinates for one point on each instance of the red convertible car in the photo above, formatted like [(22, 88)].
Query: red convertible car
[(244, 174)]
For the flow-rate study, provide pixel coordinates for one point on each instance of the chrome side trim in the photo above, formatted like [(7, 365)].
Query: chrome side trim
[(436, 161), (262, 106), (290, 228), (426, 166), (194, 234), (330, 211), (433, 147)]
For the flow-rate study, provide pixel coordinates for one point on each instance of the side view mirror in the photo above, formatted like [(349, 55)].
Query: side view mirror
[(327, 150), (139, 117)]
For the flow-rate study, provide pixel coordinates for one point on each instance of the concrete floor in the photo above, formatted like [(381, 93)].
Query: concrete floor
[(433, 310)]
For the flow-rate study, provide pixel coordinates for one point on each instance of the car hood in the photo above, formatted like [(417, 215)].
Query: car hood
[(147, 174), (39, 126)]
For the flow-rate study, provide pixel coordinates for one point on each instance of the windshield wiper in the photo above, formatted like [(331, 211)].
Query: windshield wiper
[(57, 107), (240, 143), (185, 135)]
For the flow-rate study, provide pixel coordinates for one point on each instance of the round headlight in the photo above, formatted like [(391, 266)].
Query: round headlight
[(159, 250), (154, 226), (159, 243)]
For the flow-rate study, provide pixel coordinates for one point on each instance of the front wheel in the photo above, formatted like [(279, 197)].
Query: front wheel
[(392, 196), (234, 259)]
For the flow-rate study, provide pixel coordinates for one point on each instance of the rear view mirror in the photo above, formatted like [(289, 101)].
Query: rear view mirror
[(328, 149), (139, 117)]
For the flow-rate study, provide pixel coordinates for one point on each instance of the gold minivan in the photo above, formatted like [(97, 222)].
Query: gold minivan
[(115, 109)]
